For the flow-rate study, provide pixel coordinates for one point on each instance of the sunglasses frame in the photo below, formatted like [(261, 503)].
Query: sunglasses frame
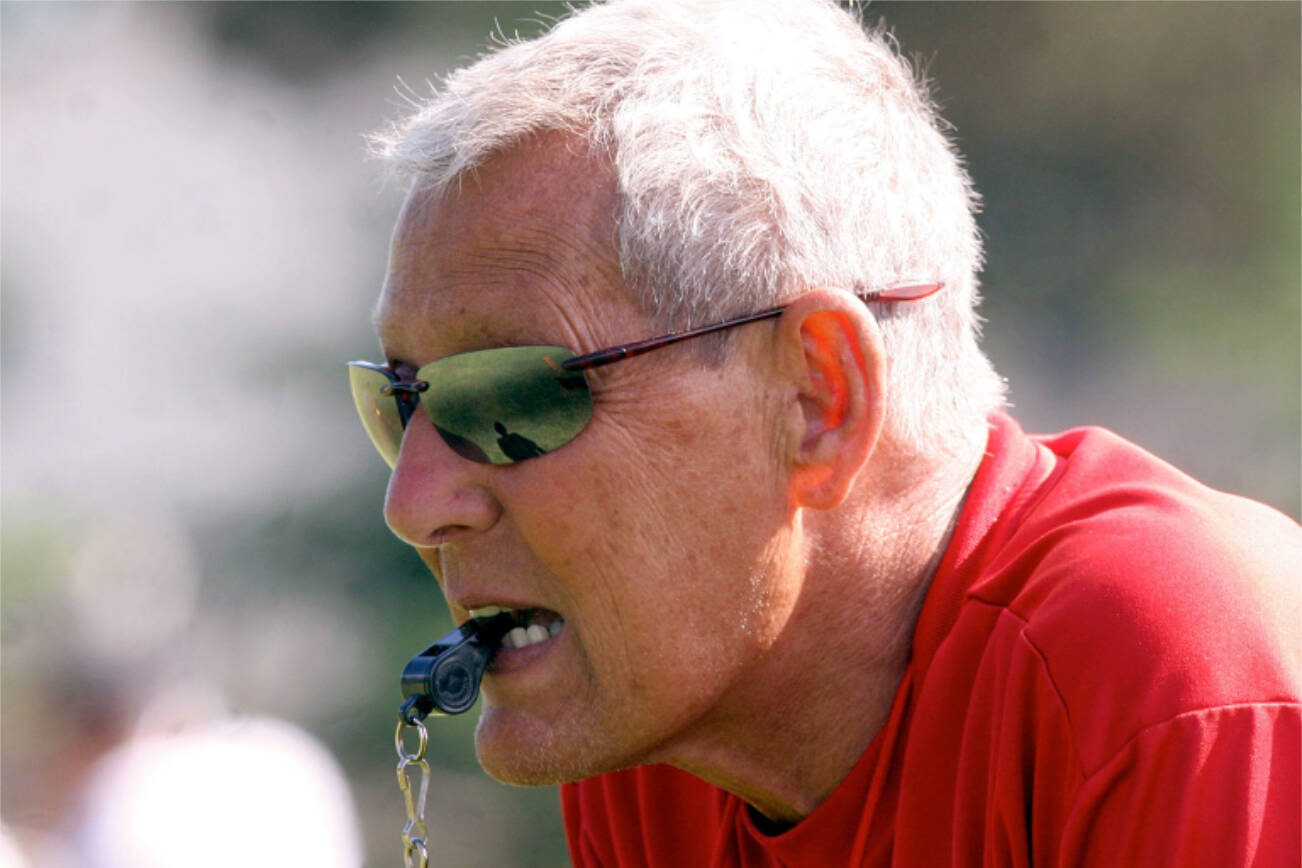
[(406, 393)]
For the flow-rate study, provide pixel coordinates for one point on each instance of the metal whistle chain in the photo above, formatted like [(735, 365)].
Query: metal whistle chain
[(441, 680)]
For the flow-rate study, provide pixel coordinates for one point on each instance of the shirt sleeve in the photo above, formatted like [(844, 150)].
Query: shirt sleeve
[(1216, 787)]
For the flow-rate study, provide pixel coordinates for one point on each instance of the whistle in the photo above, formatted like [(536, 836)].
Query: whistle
[(444, 678)]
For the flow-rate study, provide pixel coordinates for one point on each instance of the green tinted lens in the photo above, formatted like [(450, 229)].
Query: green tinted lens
[(379, 412), (505, 405)]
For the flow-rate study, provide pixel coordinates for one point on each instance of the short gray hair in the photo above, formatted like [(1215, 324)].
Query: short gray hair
[(761, 148)]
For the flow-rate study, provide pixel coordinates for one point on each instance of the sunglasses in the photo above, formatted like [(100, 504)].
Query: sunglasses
[(509, 404)]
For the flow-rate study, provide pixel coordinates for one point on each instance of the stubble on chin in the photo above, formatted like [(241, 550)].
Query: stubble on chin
[(514, 749)]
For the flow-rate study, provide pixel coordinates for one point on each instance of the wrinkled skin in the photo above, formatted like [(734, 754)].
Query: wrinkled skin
[(662, 534)]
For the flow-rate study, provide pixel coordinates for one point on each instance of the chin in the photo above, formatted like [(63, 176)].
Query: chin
[(519, 749)]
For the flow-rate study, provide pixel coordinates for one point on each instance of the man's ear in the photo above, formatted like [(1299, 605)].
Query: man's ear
[(834, 357)]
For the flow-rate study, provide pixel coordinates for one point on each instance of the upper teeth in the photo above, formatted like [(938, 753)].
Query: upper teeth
[(520, 636)]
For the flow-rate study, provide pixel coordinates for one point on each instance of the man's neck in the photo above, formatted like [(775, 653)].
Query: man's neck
[(796, 726)]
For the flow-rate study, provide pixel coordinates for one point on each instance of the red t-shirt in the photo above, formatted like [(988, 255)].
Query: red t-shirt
[(1105, 672)]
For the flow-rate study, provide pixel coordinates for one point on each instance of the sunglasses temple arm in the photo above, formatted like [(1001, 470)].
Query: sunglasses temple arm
[(905, 292), (902, 292), (615, 354)]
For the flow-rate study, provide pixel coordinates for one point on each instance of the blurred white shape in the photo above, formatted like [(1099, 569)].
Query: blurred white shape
[(243, 792), (10, 855), (133, 586)]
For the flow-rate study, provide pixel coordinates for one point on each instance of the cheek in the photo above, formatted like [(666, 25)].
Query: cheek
[(641, 494), (667, 513), (666, 499)]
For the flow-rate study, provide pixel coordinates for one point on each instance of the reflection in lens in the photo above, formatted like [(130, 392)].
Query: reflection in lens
[(509, 404), (463, 447)]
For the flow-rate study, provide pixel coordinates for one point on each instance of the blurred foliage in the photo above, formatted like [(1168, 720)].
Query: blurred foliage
[(1140, 170)]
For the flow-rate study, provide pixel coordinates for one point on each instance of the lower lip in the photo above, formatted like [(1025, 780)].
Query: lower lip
[(510, 660)]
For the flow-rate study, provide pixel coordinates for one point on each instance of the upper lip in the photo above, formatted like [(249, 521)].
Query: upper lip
[(463, 605)]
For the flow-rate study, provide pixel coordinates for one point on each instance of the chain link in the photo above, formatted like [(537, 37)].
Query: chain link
[(414, 836)]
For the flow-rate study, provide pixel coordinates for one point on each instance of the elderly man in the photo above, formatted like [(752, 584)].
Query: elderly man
[(789, 587)]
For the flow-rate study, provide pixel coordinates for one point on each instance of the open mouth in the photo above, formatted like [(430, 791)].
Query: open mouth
[(530, 626)]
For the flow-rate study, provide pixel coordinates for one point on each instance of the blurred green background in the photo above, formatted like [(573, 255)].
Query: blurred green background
[(192, 239)]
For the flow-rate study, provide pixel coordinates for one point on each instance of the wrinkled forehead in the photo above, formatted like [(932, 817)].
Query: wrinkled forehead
[(534, 219)]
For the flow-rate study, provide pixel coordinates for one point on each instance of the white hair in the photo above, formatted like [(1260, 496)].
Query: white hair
[(761, 148)]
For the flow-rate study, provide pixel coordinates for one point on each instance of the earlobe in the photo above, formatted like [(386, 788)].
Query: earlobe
[(840, 379)]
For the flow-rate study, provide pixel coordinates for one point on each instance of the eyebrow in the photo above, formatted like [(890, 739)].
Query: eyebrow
[(383, 324), (379, 325), (473, 334)]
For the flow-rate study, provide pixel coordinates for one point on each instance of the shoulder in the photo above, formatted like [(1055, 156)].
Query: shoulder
[(1147, 595)]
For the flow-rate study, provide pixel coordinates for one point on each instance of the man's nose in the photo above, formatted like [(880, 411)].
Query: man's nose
[(434, 494)]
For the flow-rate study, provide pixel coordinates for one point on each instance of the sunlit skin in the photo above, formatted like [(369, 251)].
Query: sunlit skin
[(737, 550)]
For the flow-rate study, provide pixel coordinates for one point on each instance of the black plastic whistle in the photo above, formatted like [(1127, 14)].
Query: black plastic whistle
[(444, 678)]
